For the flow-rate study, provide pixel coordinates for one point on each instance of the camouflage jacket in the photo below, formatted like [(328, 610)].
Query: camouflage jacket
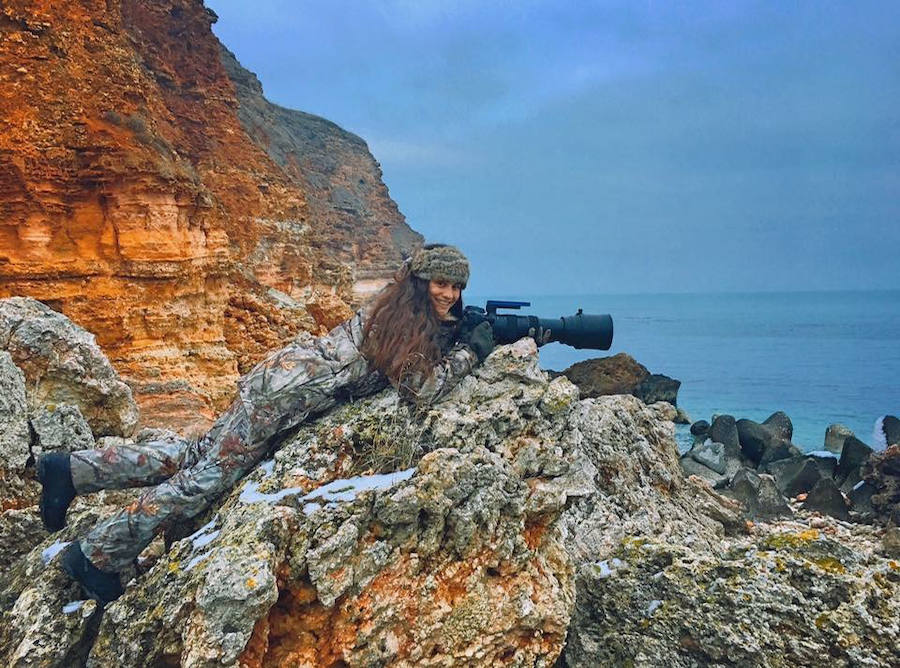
[(312, 375)]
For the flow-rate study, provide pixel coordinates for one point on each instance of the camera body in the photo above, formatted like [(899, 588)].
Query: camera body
[(581, 330)]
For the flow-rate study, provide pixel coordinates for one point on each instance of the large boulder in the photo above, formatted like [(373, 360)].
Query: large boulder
[(700, 428), (835, 435), (63, 365), (602, 376), (17, 489), (755, 439), (826, 498), (796, 475), (826, 461), (759, 494), (621, 374), (658, 387), (723, 430), (778, 597), (780, 424), (853, 455), (778, 448), (714, 462), (882, 472), (382, 535)]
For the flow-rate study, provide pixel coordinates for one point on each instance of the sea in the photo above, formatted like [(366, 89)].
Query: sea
[(821, 357)]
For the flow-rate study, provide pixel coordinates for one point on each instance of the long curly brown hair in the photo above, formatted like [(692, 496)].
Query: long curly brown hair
[(401, 333)]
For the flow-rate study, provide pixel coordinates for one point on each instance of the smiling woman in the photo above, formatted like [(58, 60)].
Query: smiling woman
[(411, 336), (444, 295)]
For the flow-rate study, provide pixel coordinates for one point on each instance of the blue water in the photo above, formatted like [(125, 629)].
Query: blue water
[(821, 357)]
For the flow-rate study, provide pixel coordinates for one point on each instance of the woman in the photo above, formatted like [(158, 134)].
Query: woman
[(409, 336)]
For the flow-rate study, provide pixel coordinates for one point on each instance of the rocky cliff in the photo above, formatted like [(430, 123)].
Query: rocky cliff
[(149, 192), (513, 523)]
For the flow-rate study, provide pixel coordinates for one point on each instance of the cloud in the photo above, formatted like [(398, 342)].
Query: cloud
[(402, 153)]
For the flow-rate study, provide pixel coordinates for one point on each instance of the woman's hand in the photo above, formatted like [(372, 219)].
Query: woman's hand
[(481, 340), (541, 336)]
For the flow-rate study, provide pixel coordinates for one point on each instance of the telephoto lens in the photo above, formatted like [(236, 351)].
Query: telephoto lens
[(581, 330)]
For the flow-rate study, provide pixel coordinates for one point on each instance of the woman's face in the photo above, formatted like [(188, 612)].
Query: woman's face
[(443, 295)]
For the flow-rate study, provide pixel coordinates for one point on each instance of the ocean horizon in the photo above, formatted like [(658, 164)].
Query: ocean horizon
[(822, 357)]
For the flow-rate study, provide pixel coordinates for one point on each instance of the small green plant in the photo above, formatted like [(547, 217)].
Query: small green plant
[(383, 444)]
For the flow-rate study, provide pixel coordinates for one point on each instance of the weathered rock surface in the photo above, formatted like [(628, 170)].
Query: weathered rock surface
[(138, 197), (724, 430), (658, 387), (786, 595), (882, 472), (755, 439), (796, 475), (601, 376), (826, 498), (464, 557), (15, 439), (63, 365), (700, 428), (461, 560), (342, 183), (714, 462), (759, 495), (60, 428)]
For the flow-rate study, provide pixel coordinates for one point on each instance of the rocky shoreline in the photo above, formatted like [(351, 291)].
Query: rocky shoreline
[(758, 464), (517, 522)]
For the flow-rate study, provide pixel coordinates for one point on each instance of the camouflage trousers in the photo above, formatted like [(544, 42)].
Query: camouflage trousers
[(186, 477), (278, 394)]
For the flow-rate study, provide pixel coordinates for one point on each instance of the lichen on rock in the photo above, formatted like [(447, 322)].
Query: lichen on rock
[(510, 523)]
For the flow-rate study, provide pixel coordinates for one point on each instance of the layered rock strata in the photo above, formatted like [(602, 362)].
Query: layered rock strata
[(136, 198)]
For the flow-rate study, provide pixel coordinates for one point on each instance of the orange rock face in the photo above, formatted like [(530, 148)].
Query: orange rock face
[(418, 616), (150, 193)]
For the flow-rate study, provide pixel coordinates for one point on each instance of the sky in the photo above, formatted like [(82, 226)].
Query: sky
[(642, 146)]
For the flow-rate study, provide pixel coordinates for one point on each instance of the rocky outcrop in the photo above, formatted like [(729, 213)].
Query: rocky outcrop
[(486, 529), (835, 435), (622, 374), (136, 198), (62, 364), (785, 595), (52, 375), (462, 551), (855, 483)]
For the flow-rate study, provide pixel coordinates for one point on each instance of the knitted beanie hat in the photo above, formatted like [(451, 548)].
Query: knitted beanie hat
[(441, 262)]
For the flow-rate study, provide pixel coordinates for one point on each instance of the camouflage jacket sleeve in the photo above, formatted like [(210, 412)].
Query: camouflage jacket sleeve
[(446, 374), (307, 376)]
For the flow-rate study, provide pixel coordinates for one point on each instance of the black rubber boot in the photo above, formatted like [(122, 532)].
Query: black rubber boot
[(99, 585), (55, 474)]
